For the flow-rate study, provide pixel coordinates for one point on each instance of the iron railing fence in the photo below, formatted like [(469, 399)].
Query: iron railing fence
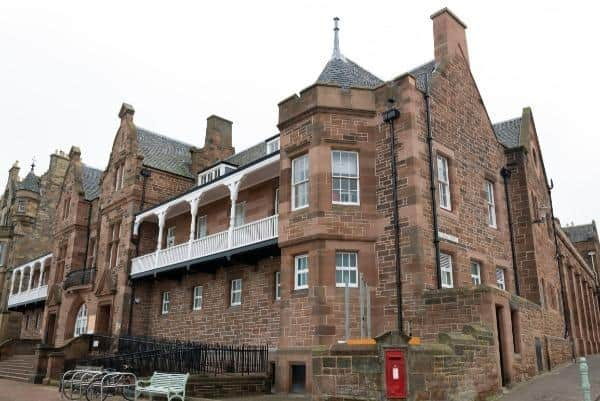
[(79, 277), (205, 359)]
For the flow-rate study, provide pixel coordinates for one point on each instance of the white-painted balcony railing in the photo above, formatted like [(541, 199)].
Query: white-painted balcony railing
[(255, 231), (28, 296), (247, 234)]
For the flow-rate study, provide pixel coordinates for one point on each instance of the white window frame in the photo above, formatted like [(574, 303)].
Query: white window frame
[(235, 297), (170, 241), (201, 226), (166, 303), (81, 321), (491, 203), (277, 286), (301, 271), (240, 214), (345, 176), (443, 176), (197, 294), (476, 277), (501, 278), (346, 268), (445, 269), (273, 145), (303, 182)]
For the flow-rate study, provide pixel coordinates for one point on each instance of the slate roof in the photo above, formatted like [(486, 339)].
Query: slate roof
[(31, 182), (509, 132), (423, 74), (249, 155), (91, 182), (164, 153), (346, 73), (580, 233)]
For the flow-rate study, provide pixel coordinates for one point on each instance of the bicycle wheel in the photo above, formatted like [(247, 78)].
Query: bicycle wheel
[(127, 387), (93, 393)]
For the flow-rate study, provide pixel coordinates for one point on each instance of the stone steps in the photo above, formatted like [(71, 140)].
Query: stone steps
[(18, 368)]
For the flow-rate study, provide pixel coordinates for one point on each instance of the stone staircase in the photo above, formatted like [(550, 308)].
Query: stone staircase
[(18, 367)]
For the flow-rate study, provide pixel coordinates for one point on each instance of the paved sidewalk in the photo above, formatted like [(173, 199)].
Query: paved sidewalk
[(562, 384), (17, 391)]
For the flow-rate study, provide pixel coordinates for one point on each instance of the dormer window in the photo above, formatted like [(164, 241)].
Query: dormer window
[(273, 145), (215, 172)]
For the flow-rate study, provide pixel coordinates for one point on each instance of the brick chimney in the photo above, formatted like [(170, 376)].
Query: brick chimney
[(217, 144), (449, 38)]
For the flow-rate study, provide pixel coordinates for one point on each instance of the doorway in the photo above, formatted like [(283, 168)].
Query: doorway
[(103, 322), (501, 343), (51, 329), (539, 358), (298, 378)]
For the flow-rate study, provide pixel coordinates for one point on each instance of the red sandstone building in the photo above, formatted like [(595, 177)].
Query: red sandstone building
[(374, 195)]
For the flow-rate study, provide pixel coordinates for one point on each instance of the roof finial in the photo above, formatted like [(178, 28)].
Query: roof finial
[(336, 40), (32, 163)]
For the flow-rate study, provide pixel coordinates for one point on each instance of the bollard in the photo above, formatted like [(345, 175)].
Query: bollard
[(585, 380)]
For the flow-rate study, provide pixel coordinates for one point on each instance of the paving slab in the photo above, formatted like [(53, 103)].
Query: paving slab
[(561, 384)]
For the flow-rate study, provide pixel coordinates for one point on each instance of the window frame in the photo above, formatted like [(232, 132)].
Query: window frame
[(21, 206), (295, 184), (501, 284), (238, 213), (114, 244), (444, 182), (170, 237), (3, 252), (273, 145), (197, 298), (165, 305), (233, 291), (348, 269), (476, 277), (339, 176), (199, 220), (277, 285), (491, 204), (297, 272), (81, 321), (444, 270)]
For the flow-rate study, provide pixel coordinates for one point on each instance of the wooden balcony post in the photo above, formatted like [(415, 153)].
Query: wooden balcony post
[(161, 225), (194, 212), (233, 194)]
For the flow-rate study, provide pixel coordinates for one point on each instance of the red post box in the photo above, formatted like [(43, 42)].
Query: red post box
[(395, 373)]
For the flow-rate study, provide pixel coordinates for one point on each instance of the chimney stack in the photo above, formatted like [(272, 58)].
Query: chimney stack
[(217, 144), (127, 111), (449, 37)]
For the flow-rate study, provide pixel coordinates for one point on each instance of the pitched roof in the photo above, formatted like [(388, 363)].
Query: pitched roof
[(249, 155), (347, 74), (31, 182), (509, 132), (164, 153), (581, 233), (91, 182), (423, 74)]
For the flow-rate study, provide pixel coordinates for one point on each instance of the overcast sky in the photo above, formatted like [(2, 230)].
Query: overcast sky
[(65, 68)]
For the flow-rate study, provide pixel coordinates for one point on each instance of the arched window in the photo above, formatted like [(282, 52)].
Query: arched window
[(81, 321)]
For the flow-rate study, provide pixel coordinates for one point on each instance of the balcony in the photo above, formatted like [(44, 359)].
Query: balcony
[(80, 277), (30, 296), (248, 235)]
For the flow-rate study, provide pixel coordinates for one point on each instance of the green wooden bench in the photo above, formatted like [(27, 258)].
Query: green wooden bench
[(170, 385)]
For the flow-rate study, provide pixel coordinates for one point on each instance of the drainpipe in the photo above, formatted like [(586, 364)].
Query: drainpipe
[(506, 173), (567, 328), (389, 116), (434, 209)]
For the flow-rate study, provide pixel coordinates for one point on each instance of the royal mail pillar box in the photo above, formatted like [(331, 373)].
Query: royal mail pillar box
[(395, 373)]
